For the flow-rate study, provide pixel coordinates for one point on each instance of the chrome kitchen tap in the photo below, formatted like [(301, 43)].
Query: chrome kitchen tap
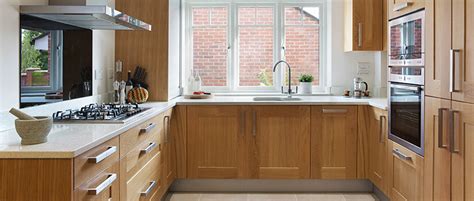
[(289, 78)]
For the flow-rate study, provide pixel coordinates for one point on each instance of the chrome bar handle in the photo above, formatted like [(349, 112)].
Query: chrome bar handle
[(148, 190), (254, 125), (401, 155), (149, 148), (102, 156), (359, 31), (452, 128), (452, 70), (150, 127), (242, 123), (166, 125), (440, 127), (104, 185), (381, 123), (334, 111)]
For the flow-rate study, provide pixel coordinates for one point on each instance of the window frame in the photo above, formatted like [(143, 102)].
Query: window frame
[(233, 66)]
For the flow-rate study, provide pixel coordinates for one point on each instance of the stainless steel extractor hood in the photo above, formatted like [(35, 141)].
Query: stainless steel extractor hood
[(84, 14)]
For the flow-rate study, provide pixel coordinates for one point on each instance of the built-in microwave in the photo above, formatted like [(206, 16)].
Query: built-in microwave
[(406, 40)]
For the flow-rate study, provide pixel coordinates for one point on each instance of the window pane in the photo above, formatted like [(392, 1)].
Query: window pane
[(247, 16), (265, 16), (302, 48), (35, 58), (201, 16), (293, 16), (256, 47), (210, 47)]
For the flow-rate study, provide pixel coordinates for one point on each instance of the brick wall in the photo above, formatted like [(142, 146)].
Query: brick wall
[(256, 45)]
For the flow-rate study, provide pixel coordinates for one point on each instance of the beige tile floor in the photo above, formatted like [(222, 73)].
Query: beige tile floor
[(271, 197)]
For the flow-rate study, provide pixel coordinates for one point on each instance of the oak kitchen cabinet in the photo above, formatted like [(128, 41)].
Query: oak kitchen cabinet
[(132, 166), (363, 25), (450, 57), (215, 142), (450, 134), (405, 173), (378, 140), (266, 142), (281, 142), (334, 142), (397, 8)]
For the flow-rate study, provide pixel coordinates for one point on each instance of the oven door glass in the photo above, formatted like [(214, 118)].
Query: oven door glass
[(406, 40), (406, 113)]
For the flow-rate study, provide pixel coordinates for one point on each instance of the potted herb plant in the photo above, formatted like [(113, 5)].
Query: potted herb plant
[(306, 83)]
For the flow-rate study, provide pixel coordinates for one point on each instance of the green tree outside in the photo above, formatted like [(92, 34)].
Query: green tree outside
[(31, 57)]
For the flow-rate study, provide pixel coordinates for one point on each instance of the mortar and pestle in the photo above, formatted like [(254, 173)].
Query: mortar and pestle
[(32, 130)]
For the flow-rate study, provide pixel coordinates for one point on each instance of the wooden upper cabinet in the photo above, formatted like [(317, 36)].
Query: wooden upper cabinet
[(378, 148), (397, 8), (363, 25), (215, 139), (282, 142), (334, 142), (463, 44), (438, 45), (405, 178)]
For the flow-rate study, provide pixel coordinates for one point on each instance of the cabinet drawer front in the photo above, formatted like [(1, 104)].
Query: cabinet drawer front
[(94, 161), (146, 182), (103, 186), (141, 155), (406, 169), (137, 135)]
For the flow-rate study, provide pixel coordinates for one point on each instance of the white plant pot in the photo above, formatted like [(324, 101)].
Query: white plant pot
[(306, 88)]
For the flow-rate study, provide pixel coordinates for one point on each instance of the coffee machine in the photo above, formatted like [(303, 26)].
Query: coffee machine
[(361, 88)]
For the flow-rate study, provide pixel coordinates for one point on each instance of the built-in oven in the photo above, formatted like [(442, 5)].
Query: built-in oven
[(406, 40), (406, 107)]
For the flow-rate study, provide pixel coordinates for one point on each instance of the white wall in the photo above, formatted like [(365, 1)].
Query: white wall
[(343, 65), (103, 58)]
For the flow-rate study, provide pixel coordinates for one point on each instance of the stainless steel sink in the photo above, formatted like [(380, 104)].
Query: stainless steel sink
[(276, 99)]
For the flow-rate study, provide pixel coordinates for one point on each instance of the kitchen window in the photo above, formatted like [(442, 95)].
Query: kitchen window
[(234, 45)]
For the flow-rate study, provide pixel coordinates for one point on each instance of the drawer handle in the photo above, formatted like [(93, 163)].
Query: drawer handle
[(149, 148), (334, 111), (102, 186), (150, 127), (97, 159), (149, 189), (401, 155)]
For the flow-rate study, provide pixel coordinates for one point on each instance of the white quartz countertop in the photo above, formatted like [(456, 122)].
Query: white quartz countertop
[(71, 140)]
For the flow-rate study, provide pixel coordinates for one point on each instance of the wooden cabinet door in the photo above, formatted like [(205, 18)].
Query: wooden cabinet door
[(334, 142), (378, 148), (281, 142), (364, 23), (437, 167), (398, 8), (367, 25), (438, 46), (463, 29), (462, 158), (405, 168), (168, 151), (215, 140)]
